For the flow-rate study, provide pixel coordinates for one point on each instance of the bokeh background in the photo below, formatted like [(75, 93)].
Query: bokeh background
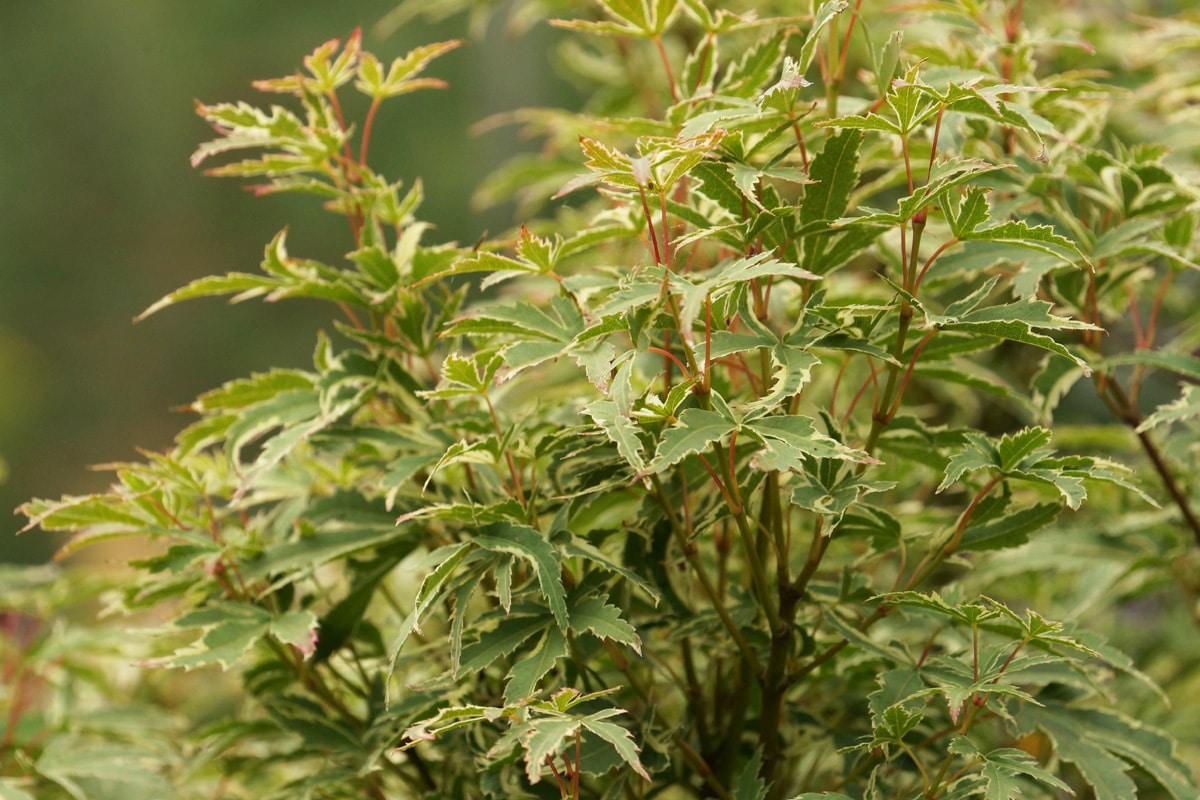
[(101, 213)]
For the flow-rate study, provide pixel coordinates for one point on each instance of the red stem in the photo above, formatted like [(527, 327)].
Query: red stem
[(662, 54), (667, 353), (908, 373), (368, 124), (841, 67)]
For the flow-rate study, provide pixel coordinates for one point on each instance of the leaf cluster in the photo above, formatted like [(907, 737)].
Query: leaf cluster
[(740, 468)]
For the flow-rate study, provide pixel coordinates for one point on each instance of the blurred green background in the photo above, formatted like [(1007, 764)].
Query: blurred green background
[(101, 214)]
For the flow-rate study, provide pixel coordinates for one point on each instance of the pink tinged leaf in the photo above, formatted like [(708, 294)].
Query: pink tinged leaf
[(955, 710), (641, 170), (310, 647)]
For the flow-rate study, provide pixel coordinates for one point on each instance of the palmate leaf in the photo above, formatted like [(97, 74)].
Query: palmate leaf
[(717, 184), (401, 74), (696, 430), (529, 545), (448, 719), (1025, 455), (894, 724), (242, 285), (559, 322), (307, 552), (968, 613), (867, 122), (245, 126), (244, 392), (836, 497), (285, 277), (544, 738), (621, 429), (1002, 765), (231, 629), (790, 441), (672, 158), (603, 621), (620, 738), (642, 18), (1016, 322), (902, 685), (727, 277), (466, 376), (1104, 745)]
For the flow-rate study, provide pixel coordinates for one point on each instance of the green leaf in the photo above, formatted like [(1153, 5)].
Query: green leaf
[(524, 319), (246, 392), (972, 212), (834, 172), (603, 621), (1185, 407), (749, 785), (1016, 322), (755, 66), (896, 687), (791, 370), (242, 285), (533, 665), (231, 629), (821, 19), (511, 632), (526, 543), (695, 431), (298, 629), (448, 719), (870, 122), (621, 429), (717, 184), (110, 771), (400, 77), (1008, 530), (466, 375), (1025, 456), (1103, 745), (432, 589), (1181, 364), (1002, 765), (789, 441), (542, 739), (894, 724), (620, 739), (1019, 233), (578, 547), (1024, 448)]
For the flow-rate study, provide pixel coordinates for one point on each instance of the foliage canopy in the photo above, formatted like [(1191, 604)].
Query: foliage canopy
[(741, 468)]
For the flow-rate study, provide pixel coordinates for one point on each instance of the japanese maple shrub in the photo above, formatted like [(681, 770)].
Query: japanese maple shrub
[(734, 470)]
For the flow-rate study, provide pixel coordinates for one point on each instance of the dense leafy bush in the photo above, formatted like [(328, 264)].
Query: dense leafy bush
[(761, 460)]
